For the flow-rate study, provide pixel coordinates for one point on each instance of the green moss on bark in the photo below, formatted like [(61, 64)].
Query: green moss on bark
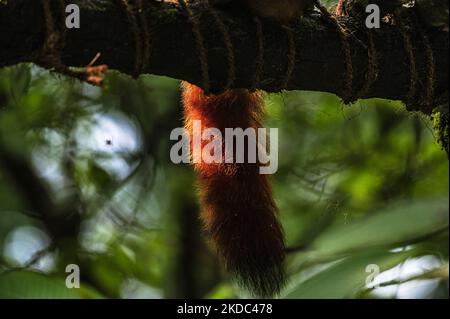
[(440, 124)]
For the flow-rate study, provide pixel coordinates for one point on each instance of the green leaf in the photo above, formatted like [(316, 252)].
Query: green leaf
[(396, 226), (27, 284), (345, 278), (33, 285), (21, 78), (222, 291)]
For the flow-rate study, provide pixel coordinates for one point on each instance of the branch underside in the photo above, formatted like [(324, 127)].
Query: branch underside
[(319, 57)]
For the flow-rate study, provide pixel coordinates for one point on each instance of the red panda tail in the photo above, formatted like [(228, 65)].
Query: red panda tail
[(238, 210)]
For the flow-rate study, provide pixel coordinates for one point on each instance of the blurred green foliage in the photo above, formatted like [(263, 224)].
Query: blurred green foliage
[(86, 179)]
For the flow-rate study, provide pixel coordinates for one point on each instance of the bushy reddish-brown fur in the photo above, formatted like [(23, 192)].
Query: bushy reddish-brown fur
[(237, 205)]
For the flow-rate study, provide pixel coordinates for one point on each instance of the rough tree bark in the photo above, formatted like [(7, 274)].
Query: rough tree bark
[(319, 62)]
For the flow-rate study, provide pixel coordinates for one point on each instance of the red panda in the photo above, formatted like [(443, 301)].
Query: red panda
[(237, 206)]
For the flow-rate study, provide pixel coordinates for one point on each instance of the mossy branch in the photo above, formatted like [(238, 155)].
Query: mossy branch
[(319, 56)]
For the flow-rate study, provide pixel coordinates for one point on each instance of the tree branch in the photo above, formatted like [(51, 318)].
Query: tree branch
[(319, 62)]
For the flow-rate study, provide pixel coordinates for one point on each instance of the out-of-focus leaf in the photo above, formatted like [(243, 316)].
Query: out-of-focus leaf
[(21, 75), (32, 285), (99, 176), (221, 291), (108, 275), (394, 226), (345, 278)]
